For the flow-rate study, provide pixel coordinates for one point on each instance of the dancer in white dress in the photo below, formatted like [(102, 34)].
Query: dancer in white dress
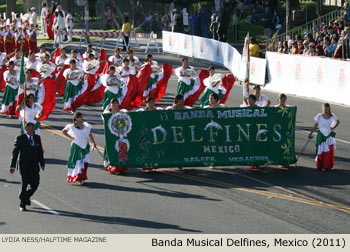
[(79, 157), (326, 122)]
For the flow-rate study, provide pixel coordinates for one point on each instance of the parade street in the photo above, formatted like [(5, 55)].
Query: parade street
[(237, 199)]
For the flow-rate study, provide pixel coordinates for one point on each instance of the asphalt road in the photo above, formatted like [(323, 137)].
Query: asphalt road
[(197, 200)]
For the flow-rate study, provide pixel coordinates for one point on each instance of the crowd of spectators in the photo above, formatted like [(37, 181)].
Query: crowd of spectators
[(216, 23), (330, 41)]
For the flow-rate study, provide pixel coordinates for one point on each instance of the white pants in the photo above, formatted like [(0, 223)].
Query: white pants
[(58, 37), (43, 26), (69, 30)]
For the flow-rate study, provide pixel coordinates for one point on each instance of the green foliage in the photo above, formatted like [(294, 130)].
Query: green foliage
[(138, 29)]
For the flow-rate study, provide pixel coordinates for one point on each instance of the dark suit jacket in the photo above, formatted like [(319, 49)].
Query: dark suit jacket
[(29, 156)]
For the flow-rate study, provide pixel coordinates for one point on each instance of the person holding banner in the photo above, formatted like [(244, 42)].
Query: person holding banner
[(214, 102), (252, 101), (113, 108), (79, 157), (261, 100), (179, 103), (9, 100), (32, 112), (326, 122), (150, 105)]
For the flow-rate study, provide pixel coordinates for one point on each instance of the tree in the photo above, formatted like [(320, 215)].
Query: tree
[(10, 7)]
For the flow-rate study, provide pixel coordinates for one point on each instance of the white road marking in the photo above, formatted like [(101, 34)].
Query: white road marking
[(340, 140), (45, 207)]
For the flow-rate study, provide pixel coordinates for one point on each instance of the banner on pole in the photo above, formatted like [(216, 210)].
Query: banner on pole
[(201, 137)]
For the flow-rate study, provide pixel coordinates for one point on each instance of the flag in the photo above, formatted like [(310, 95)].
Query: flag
[(22, 78), (246, 64)]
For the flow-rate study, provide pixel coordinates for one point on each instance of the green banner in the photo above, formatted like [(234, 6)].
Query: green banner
[(201, 137)]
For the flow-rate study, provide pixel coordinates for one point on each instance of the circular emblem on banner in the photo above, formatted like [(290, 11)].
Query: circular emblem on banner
[(120, 124), (252, 68), (201, 47), (319, 74), (297, 71), (217, 51), (170, 41), (185, 43), (278, 68), (341, 79)]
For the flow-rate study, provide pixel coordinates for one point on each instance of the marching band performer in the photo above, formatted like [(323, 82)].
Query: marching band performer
[(114, 89), (116, 59), (9, 40), (61, 60), (74, 85), (17, 59), (9, 100), (32, 37), (126, 70), (213, 86), (79, 157), (31, 87), (113, 108), (88, 52), (75, 55), (33, 113), (31, 63)]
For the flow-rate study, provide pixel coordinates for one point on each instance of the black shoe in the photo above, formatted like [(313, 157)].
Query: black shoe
[(28, 203), (22, 208)]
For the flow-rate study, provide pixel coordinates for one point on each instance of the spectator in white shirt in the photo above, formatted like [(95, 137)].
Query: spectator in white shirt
[(69, 24), (42, 18), (32, 16)]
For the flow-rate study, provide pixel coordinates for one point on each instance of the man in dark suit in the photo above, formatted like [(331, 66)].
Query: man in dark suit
[(28, 147)]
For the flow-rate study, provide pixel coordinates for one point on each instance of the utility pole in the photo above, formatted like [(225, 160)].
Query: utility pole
[(287, 15), (86, 17)]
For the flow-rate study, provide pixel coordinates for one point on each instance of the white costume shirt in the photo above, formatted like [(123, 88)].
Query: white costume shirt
[(31, 64), (48, 72), (86, 65), (31, 113), (60, 60), (114, 60), (106, 78), (262, 101), (122, 72), (181, 70), (15, 78), (324, 124), (32, 18), (75, 82), (80, 135)]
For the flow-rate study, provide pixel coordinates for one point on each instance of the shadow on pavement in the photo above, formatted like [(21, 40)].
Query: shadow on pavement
[(9, 182), (119, 220), (159, 191)]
